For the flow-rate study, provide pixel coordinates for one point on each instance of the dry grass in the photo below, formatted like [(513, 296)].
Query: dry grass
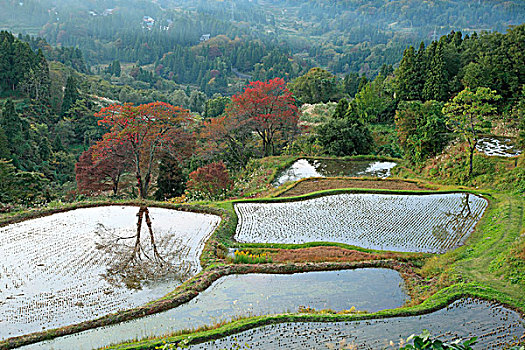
[(318, 254), (313, 185)]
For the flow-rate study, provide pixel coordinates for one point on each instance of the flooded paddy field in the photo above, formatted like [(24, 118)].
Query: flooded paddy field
[(304, 168), (498, 146), (369, 289), (85, 263), (493, 324), (430, 223)]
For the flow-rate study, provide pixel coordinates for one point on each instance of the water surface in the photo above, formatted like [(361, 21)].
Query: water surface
[(368, 289), (498, 146), (82, 264), (304, 168), (430, 223), (493, 324)]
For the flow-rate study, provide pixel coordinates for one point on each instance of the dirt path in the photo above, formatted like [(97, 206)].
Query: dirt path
[(313, 185)]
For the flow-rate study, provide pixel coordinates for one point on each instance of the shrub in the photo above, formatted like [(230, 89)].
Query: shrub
[(242, 257), (345, 137), (211, 181)]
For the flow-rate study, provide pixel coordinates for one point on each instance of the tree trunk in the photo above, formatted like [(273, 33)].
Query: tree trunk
[(471, 160)]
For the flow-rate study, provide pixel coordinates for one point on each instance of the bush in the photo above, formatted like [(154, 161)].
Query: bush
[(345, 137), (242, 257), (209, 182)]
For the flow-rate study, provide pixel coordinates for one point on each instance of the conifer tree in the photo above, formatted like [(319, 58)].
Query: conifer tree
[(340, 109), (408, 78), (5, 153), (436, 84), (70, 94), (11, 122)]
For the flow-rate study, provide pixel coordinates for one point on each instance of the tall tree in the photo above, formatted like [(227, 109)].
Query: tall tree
[(227, 138), (71, 94), (437, 80), (408, 76), (346, 136), (212, 180), (318, 85), (421, 129), (170, 181), (270, 110), (468, 112), (148, 130), (5, 152)]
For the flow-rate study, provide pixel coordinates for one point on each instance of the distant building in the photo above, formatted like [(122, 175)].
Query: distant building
[(148, 22), (205, 37), (108, 12)]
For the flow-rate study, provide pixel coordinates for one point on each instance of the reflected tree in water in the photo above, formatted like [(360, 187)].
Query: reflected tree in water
[(138, 259), (458, 221)]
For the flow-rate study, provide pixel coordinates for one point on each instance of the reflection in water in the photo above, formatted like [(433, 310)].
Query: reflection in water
[(139, 262), (304, 168), (458, 220), (56, 270), (370, 289)]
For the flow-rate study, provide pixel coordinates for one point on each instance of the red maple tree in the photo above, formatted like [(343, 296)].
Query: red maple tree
[(149, 130), (103, 174), (271, 111)]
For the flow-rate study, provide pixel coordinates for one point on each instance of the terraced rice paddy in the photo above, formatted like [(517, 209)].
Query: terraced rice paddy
[(418, 223), (254, 294), (54, 270), (493, 324), (502, 147), (304, 168)]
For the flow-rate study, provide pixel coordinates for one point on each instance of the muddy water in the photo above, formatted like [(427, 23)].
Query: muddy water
[(82, 264), (254, 294), (304, 168)]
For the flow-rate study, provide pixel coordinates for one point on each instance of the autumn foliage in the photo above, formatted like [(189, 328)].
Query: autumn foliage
[(211, 181), (148, 131), (269, 109), (104, 173)]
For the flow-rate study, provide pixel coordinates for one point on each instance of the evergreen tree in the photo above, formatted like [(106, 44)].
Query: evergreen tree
[(57, 144), (351, 84), (70, 94), (170, 181), (341, 109), (408, 77), (116, 69), (437, 81), (5, 153), (11, 122), (362, 83), (345, 137)]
